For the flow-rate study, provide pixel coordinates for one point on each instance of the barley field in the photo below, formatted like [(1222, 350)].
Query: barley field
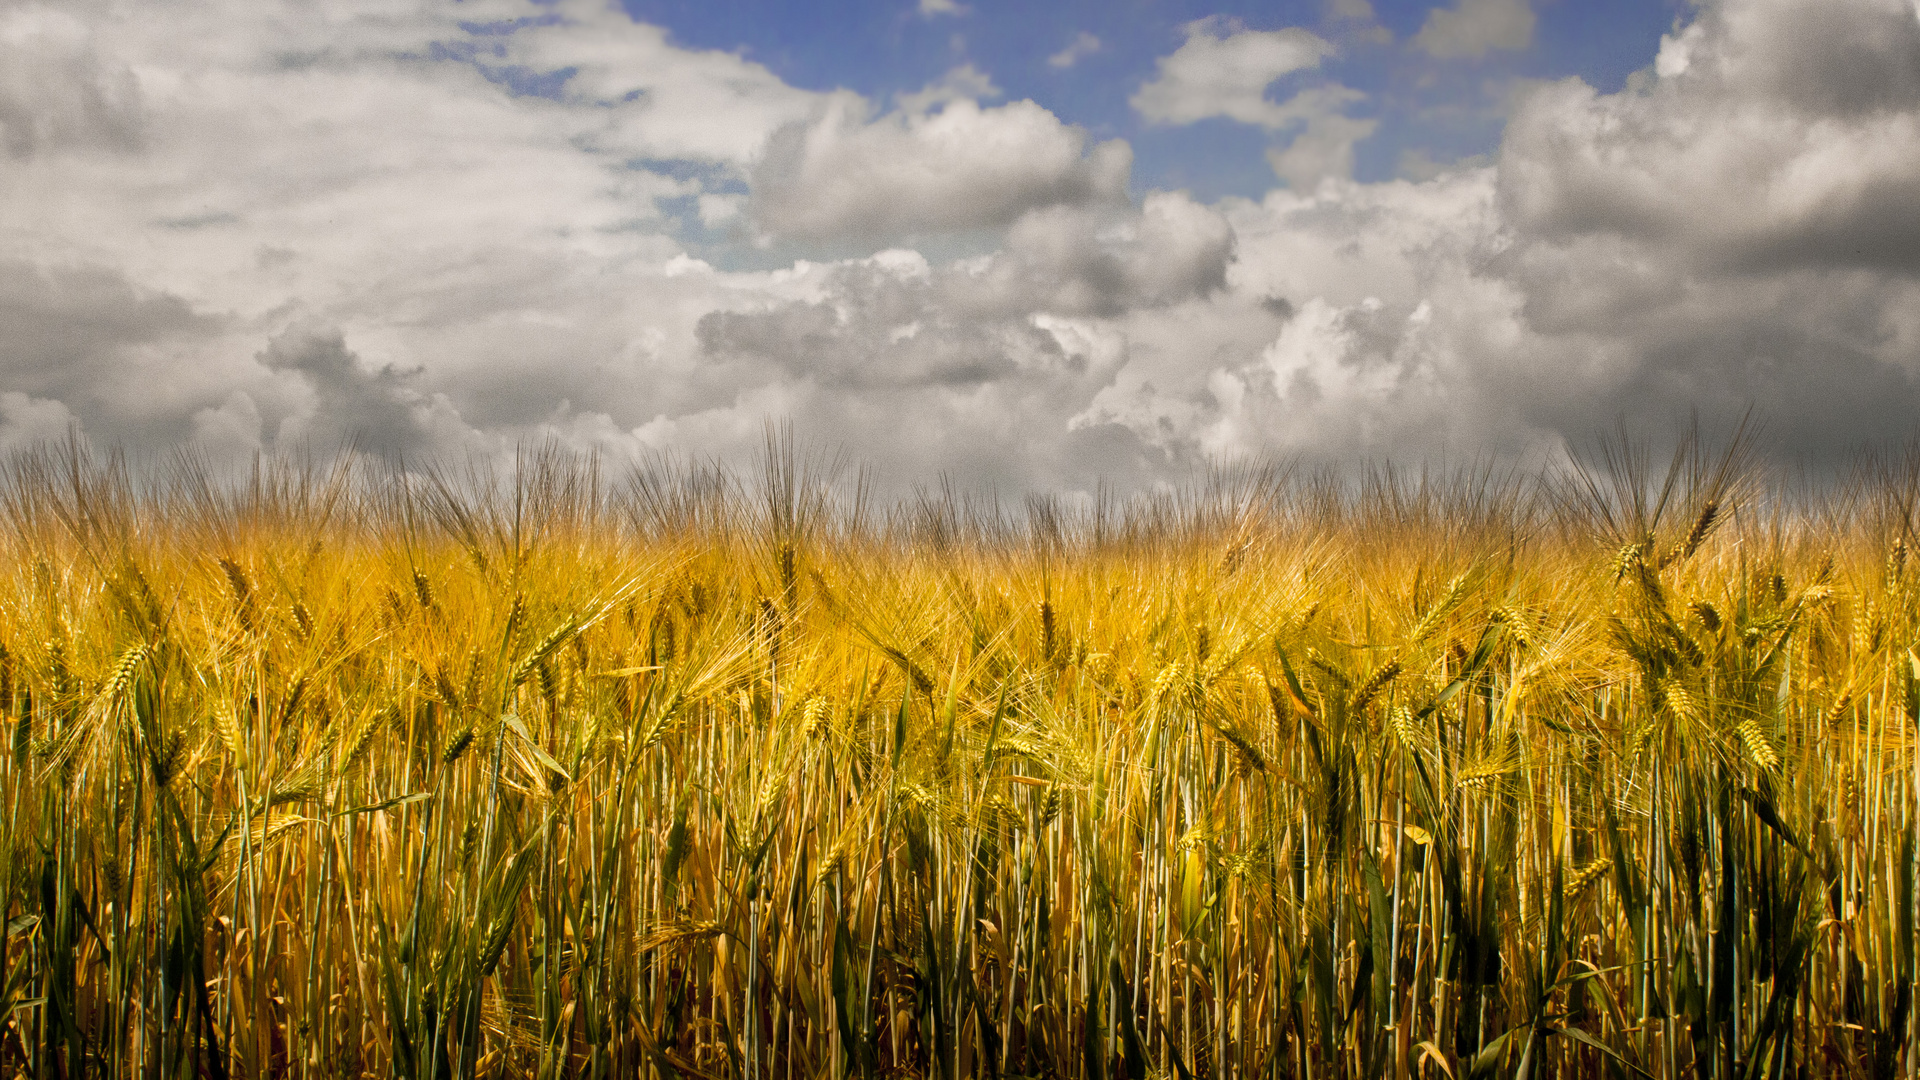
[(340, 771)]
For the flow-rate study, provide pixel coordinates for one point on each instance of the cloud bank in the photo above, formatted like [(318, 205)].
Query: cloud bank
[(441, 229)]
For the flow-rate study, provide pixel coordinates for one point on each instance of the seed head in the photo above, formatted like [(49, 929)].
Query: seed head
[(458, 746), (1758, 746), (1375, 683)]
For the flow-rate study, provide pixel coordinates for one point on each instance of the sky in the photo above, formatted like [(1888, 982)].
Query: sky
[(1026, 250)]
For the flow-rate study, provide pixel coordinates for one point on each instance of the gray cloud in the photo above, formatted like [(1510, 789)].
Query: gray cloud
[(377, 409), (70, 329), (87, 338), (1845, 58), (896, 321), (56, 92), (982, 366), (1473, 28), (1770, 139)]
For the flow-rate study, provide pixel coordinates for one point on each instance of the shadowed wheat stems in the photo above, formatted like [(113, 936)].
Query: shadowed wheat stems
[(340, 772)]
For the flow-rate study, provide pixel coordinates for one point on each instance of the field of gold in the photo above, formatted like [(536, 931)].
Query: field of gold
[(335, 772)]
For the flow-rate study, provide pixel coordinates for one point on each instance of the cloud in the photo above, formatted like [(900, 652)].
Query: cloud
[(1774, 142), (1353, 22), (1473, 28), (932, 8), (57, 92), (979, 365), (848, 174), (964, 83), (1082, 46), (1417, 164), (1223, 70), (896, 320), (376, 408), (1724, 233), (444, 228), (239, 169), (1324, 150), (630, 92), (28, 421), (87, 338)]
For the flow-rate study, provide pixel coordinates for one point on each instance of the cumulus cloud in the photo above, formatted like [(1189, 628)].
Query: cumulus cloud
[(955, 168), (87, 338), (470, 190), (1771, 139), (896, 320), (632, 92), (1739, 226), (1225, 70), (982, 361), (1473, 28), (1724, 233), (441, 228), (1353, 324)]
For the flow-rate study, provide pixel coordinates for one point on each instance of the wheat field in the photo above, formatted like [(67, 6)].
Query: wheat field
[(341, 771)]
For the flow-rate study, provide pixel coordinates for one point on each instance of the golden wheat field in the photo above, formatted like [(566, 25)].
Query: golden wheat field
[(341, 771)]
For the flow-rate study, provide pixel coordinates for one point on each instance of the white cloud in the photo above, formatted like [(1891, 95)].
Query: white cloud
[(932, 8), (964, 83), (632, 93), (1082, 46), (1323, 151), (1473, 28), (1223, 70), (847, 174), (1417, 164)]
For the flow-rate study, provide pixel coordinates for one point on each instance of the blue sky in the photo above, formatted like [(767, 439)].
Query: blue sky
[(1338, 231), (1446, 109)]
